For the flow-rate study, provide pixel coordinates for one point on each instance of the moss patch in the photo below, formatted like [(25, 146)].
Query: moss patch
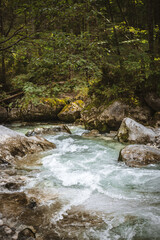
[(73, 106), (54, 101)]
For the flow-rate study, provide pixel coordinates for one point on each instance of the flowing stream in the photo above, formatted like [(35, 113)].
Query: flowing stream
[(98, 197)]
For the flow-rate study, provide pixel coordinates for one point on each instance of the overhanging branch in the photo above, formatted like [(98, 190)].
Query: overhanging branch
[(14, 34), (3, 49)]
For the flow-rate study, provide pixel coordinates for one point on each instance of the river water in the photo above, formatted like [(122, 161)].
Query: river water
[(95, 196)]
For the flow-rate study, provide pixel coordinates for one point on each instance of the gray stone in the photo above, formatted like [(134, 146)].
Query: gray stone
[(8, 230), (15, 145), (1, 222), (139, 155)]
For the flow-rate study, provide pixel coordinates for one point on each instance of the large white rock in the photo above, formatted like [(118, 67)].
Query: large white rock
[(133, 132)]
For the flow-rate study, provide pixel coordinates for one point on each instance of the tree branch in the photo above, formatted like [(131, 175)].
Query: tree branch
[(3, 49), (14, 34)]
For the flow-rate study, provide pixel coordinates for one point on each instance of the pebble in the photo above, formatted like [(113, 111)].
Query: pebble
[(15, 236), (1, 222), (8, 230)]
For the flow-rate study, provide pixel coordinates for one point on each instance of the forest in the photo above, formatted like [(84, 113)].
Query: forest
[(79, 119), (101, 49)]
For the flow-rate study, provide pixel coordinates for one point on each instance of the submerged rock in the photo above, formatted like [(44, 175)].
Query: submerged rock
[(50, 130), (139, 155), (92, 133), (133, 132), (14, 145), (72, 111)]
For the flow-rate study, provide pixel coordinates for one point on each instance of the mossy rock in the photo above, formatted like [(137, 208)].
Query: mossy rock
[(72, 111), (47, 109)]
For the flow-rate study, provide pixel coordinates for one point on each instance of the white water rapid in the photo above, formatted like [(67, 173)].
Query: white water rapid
[(99, 197)]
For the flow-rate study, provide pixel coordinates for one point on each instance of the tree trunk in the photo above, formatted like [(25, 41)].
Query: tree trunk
[(3, 67), (157, 22), (115, 33), (150, 30)]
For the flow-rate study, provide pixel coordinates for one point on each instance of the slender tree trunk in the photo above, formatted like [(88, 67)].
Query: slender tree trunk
[(115, 33), (3, 72), (121, 11), (156, 16), (3, 67), (150, 30)]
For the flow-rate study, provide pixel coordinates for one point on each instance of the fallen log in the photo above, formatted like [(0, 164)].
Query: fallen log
[(11, 97)]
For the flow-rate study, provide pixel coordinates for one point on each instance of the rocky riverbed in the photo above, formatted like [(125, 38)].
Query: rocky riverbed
[(77, 190)]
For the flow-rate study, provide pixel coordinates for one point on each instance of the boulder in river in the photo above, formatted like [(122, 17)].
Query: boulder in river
[(72, 111), (106, 118), (139, 155), (48, 130), (14, 145), (133, 132)]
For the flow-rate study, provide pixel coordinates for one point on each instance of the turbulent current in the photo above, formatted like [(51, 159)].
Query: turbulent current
[(95, 196)]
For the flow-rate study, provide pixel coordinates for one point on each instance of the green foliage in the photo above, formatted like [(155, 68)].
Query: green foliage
[(93, 47), (32, 94)]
